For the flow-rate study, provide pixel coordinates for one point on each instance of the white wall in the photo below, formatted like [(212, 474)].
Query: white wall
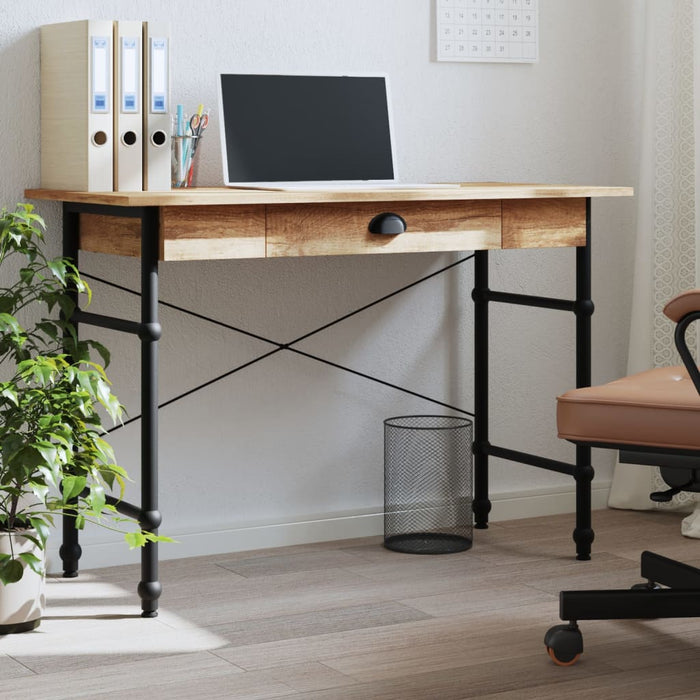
[(291, 441)]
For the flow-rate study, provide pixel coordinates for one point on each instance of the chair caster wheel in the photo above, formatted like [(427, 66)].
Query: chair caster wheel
[(564, 644)]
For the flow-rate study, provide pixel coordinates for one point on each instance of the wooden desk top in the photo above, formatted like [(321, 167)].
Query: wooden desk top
[(222, 223), (198, 196)]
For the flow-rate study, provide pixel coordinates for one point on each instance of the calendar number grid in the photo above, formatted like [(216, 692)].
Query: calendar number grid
[(500, 31)]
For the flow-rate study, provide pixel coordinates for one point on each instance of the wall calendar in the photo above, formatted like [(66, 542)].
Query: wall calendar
[(502, 31)]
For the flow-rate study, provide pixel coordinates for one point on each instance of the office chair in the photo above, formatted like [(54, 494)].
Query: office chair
[(652, 418)]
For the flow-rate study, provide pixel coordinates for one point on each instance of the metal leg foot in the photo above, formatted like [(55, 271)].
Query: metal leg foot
[(149, 591), (481, 508)]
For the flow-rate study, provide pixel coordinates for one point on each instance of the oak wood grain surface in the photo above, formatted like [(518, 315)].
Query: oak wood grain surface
[(225, 195), (225, 223)]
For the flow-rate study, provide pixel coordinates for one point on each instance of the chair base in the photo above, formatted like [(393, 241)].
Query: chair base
[(681, 598), (646, 601)]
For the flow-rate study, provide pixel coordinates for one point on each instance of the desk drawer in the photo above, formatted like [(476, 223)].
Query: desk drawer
[(213, 232), (342, 228), (544, 223), (115, 235), (186, 233)]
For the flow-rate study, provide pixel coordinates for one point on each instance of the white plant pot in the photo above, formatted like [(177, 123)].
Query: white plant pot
[(21, 603)]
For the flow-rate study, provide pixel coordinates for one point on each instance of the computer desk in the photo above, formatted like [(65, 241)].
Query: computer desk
[(220, 223)]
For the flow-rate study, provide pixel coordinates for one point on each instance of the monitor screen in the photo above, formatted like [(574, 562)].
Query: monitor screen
[(297, 128)]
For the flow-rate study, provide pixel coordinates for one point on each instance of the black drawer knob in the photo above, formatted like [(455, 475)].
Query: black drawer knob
[(387, 223)]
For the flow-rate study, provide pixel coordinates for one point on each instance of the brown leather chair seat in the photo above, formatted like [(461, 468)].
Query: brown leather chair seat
[(657, 408)]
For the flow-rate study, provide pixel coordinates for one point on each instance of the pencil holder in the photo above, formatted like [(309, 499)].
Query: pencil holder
[(183, 153), (427, 484)]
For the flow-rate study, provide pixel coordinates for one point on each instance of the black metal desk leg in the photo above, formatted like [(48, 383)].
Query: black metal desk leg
[(70, 550), (583, 471), (149, 587), (481, 504)]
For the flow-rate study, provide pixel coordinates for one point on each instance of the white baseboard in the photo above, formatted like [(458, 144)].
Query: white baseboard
[(531, 504), (320, 528)]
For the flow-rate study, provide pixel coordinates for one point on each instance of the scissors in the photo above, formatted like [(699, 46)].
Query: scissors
[(198, 123)]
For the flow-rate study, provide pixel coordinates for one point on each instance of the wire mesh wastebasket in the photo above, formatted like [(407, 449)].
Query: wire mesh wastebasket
[(428, 484)]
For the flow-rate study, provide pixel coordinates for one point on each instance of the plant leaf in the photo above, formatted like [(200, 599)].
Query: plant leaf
[(42, 528), (97, 499), (72, 486), (49, 453), (58, 267), (11, 571), (102, 351), (33, 562), (135, 539)]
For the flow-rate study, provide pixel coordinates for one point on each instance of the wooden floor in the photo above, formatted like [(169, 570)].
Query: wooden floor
[(352, 621)]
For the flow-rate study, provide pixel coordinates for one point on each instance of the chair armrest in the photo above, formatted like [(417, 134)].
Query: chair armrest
[(684, 309), (683, 304)]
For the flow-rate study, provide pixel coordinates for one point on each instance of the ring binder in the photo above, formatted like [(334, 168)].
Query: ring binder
[(156, 99), (128, 111), (77, 106)]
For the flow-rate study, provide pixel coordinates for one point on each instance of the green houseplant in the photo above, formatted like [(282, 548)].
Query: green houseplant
[(53, 394)]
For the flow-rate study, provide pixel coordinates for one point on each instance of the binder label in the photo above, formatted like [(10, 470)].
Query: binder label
[(129, 75), (159, 76), (100, 74)]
